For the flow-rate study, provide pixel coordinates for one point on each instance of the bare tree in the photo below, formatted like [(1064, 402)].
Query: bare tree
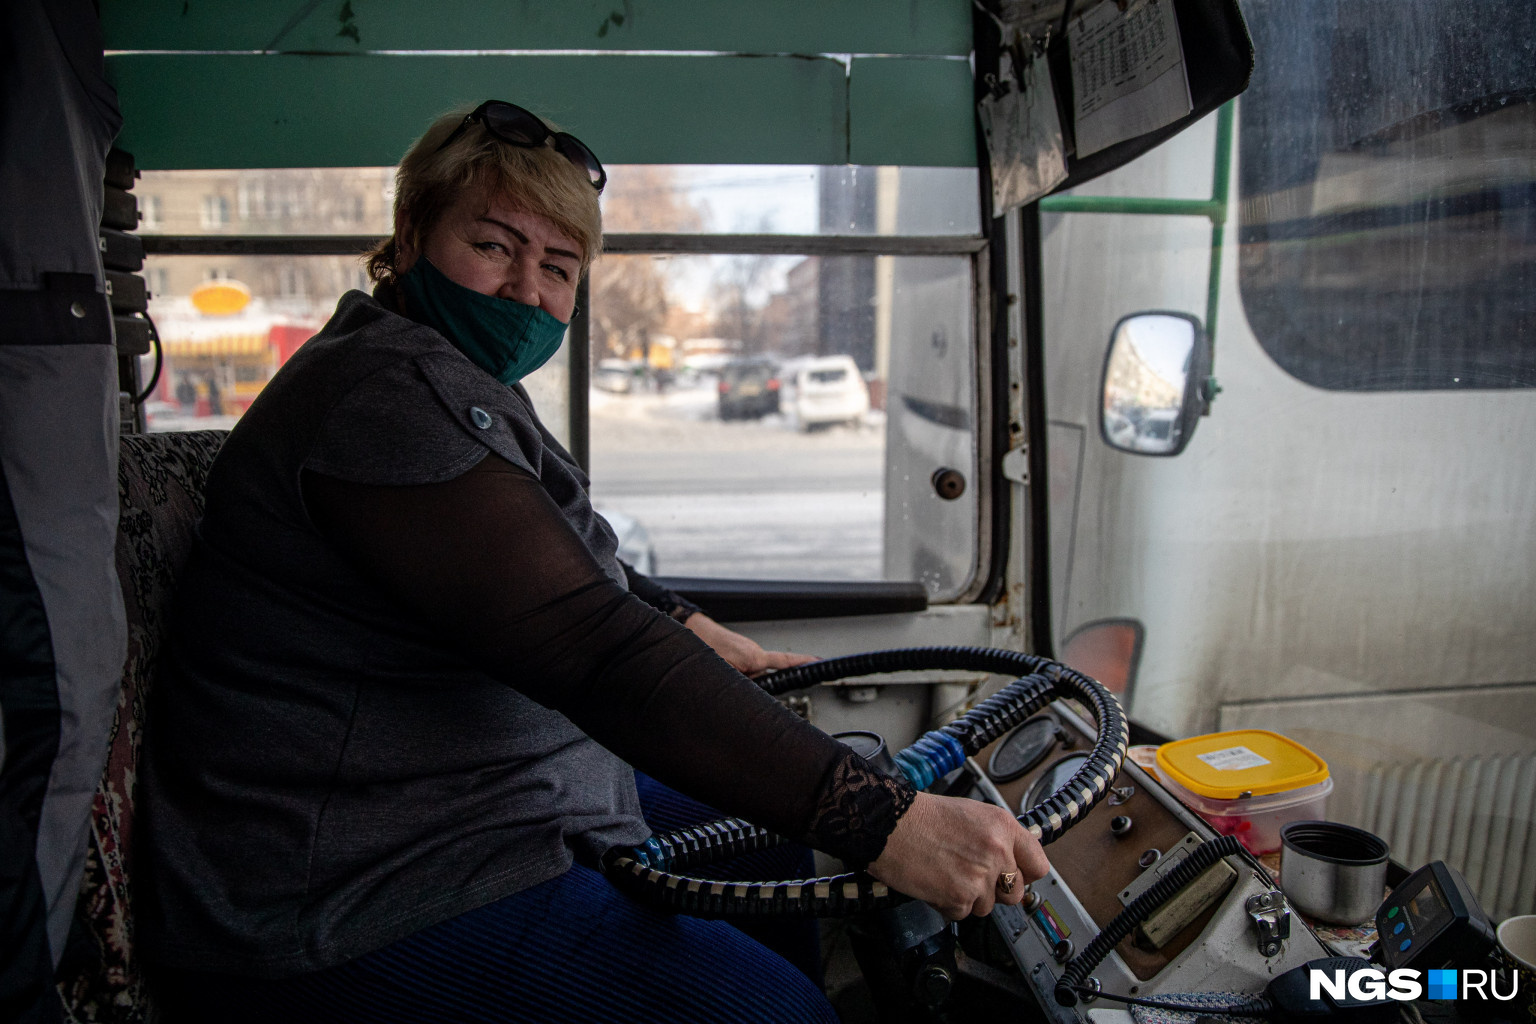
[(629, 293), (740, 296), (629, 304)]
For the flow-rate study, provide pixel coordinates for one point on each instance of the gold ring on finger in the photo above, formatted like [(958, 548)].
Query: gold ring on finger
[(1005, 882)]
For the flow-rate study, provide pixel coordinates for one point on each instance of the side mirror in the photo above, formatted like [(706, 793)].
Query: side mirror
[(1155, 383)]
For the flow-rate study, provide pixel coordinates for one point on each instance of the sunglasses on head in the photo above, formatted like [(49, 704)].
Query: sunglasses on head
[(512, 124)]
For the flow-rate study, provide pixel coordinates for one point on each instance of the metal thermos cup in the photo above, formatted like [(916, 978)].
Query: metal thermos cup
[(1332, 872)]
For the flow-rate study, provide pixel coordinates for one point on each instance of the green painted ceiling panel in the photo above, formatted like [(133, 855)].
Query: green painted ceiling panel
[(911, 111), (736, 26), (228, 111)]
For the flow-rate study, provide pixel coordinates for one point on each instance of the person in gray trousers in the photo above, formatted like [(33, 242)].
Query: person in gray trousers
[(61, 620)]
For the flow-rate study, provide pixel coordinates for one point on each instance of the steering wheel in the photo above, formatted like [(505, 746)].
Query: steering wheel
[(655, 869)]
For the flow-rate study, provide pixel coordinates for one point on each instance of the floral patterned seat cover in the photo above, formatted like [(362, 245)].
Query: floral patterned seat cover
[(161, 478)]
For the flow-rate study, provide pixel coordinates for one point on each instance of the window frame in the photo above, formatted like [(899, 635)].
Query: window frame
[(767, 599)]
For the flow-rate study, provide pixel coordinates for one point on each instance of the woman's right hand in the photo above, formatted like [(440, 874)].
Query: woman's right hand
[(950, 853)]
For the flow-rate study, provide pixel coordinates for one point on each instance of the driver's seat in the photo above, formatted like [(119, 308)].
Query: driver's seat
[(161, 480)]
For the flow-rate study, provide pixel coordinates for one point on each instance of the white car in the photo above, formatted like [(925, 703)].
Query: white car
[(826, 389), (616, 375)]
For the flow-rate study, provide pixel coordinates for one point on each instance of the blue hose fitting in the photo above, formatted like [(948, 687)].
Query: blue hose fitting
[(652, 854), (933, 756)]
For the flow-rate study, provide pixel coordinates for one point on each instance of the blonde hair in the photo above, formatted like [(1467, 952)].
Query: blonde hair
[(538, 179)]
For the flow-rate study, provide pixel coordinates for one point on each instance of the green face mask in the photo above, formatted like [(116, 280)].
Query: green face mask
[(505, 338)]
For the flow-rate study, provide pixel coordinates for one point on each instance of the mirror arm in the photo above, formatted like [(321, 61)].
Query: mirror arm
[(1209, 389)]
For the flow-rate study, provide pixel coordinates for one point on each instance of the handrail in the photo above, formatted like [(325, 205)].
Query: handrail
[(1214, 209)]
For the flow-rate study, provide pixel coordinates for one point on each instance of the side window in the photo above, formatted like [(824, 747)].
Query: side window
[(1388, 217), (215, 211), (218, 355)]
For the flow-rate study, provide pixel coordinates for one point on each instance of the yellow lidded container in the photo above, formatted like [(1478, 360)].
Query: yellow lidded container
[(1247, 782), (1226, 765)]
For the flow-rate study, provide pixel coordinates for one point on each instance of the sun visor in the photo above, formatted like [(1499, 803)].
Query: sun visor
[(1124, 75)]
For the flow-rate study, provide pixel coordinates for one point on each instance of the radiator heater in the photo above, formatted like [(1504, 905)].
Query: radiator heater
[(1477, 814)]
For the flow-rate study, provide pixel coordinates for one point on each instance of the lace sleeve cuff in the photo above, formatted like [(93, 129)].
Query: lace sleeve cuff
[(857, 810)]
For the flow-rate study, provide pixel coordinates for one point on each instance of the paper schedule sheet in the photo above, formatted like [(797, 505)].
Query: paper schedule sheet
[(1127, 72)]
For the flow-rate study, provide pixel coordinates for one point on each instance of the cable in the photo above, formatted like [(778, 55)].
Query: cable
[(1259, 1007), (650, 870), (154, 378), (1186, 871)]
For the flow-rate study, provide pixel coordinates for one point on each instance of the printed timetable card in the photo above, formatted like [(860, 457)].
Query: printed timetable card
[(1127, 72)]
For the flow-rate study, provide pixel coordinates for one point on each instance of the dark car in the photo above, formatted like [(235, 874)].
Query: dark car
[(749, 388)]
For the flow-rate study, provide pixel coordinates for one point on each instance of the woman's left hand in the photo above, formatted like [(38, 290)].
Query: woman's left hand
[(744, 654)]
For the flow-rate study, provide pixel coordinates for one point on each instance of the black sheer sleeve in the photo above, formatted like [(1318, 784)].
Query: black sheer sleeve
[(489, 562), (657, 596)]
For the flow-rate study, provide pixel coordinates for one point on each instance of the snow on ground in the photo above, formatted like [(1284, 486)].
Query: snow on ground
[(745, 498), (831, 535)]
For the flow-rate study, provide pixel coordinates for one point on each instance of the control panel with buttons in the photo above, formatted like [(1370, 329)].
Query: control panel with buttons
[(1432, 919)]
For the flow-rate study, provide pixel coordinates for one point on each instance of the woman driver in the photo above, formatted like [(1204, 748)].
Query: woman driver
[(409, 676)]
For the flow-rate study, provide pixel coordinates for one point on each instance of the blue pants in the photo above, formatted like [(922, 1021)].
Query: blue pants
[(572, 949)]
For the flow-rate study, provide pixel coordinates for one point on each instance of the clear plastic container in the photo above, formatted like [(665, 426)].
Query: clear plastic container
[(1247, 783), (1144, 756)]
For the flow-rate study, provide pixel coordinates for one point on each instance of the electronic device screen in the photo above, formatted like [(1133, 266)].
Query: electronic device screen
[(1428, 911)]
